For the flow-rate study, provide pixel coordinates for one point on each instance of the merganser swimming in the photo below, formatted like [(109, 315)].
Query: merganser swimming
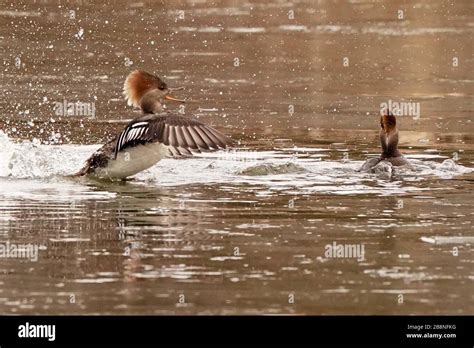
[(152, 136), (389, 141)]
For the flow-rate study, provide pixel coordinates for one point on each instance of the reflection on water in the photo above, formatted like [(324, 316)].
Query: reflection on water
[(256, 230), (232, 238)]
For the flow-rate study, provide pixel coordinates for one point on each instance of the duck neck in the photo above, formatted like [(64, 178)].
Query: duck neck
[(150, 103), (389, 143)]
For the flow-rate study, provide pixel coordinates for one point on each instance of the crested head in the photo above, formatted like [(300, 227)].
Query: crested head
[(138, 83), (388, 122)]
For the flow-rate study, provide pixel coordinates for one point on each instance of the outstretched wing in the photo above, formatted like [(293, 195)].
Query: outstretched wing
[(181, 135)]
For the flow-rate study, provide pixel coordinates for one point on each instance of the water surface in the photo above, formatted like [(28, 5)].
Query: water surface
[(243, 232)]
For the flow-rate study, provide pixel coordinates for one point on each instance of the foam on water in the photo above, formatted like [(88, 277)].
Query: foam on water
[(267, 169), (29, 159)]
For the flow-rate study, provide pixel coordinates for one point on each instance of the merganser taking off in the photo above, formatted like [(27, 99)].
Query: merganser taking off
[(152, 136), (389, 142)]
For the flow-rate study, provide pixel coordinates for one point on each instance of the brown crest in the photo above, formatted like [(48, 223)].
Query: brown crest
[(138, 83)]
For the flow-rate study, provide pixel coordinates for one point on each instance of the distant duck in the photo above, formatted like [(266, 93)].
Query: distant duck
[(152, 136), (389, 141)]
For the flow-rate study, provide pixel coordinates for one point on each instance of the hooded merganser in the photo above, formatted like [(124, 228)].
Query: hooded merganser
[(389, 141), (152, 136)]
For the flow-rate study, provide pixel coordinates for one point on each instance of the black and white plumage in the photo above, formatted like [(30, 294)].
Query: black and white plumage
[(181, 135), (151, 137)]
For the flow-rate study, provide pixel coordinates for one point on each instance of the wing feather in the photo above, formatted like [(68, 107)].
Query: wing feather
[(181, 135)]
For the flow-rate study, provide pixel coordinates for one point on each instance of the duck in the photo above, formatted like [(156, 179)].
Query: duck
[(389, 141), (152, 136)]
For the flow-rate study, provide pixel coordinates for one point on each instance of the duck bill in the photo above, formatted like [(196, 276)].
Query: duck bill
[(169, 97)]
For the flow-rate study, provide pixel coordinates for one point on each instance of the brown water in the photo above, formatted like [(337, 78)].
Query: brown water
[(300, 86)]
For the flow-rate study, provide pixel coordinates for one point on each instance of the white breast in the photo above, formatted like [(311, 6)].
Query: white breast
[(133, 160)]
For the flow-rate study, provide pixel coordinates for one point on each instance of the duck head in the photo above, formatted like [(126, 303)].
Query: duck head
[(147, 92)]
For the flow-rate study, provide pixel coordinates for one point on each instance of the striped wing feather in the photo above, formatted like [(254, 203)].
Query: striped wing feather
[(182, 135)]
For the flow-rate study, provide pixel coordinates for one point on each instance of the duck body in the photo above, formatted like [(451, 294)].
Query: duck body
[(372, 164), (389, 141), (131, 162), (148, 139)]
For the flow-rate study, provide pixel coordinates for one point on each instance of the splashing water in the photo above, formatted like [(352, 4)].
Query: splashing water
[(279, 170)]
